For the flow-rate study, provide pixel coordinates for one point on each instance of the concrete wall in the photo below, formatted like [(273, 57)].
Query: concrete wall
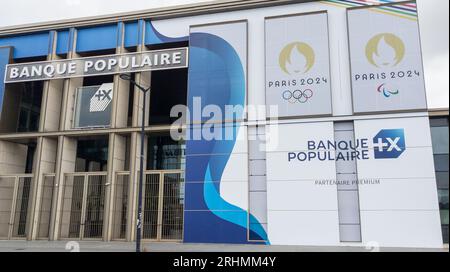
[(12, 158)]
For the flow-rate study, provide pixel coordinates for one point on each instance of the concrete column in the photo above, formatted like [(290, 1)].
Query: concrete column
[(117, 143), (70, 86), (65, 163), (51, 106), (144, 80), (45, 163), (116, 162), (45, 155)]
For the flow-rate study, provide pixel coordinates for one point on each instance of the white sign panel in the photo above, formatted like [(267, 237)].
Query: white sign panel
[(386, 59), (300, 212), (298, 65), (94, 66), (405, 197)]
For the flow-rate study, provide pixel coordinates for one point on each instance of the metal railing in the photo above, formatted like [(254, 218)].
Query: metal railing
[(15, 198), (83, 205), (82, 210), (163, 205)]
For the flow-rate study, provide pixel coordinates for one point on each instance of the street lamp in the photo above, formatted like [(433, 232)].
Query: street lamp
[(141, 171)]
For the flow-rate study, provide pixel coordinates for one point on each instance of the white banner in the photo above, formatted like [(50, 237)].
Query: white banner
[(386, 59), (298, 65)]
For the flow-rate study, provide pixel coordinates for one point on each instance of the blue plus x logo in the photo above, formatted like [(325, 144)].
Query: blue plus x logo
[(389, 143)]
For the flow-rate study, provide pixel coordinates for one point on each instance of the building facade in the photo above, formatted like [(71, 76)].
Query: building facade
[(292, 123)]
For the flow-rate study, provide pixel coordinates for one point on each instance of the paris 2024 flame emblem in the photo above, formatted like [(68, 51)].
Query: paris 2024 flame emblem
[(385, 50), (297, 58)]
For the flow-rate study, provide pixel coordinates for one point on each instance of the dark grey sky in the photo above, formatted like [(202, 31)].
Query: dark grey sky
[(433, 16)]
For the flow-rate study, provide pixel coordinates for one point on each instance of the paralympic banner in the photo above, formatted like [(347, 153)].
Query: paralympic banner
[(386, 59), (298, 65)]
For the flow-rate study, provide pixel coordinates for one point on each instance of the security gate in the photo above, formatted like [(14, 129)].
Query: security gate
[(163, 205), (14, 203), (83, 206)]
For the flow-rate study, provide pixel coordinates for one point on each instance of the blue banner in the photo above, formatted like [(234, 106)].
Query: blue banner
[(5, 53)]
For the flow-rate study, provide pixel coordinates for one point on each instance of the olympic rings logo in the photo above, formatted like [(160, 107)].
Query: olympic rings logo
[(298, 96)]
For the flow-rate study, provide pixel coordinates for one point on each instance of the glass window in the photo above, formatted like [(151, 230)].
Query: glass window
[(442, 180), (23, 120), (30, 157), (30, 106), (444, 217), (440, 138), (445, 233), (93, 106), (34, 121), (443, 199), (92, 155), (131, 101), (167, 93), (164, 153), (439, 122), (441, 163)]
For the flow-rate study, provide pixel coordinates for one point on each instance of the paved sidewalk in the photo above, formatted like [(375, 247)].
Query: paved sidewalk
[(96, 246)]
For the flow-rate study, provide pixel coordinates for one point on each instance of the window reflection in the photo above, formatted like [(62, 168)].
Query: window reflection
[(440, 138), (164, 153)]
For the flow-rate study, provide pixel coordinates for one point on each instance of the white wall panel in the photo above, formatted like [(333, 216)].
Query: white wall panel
[(402, 228), (278, 168), (401, 208), (304, 228), (235, 193), (400, 194), (301, 196)]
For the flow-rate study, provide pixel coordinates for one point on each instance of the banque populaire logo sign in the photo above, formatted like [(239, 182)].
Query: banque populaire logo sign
[(385, 52), (386, 144), (102, 98)]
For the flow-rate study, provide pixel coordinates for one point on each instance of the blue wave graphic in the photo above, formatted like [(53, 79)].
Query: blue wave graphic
[(153, 36), (217, 76)]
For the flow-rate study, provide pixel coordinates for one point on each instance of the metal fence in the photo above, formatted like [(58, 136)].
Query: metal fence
[(14, 204), (83, 207), (82, 210), (163, 205)]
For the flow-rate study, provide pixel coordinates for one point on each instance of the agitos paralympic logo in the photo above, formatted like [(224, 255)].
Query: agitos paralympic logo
[(386, 144), (387, 92)]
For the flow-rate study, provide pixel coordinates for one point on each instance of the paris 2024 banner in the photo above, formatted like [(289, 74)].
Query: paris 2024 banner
[(386, 59)]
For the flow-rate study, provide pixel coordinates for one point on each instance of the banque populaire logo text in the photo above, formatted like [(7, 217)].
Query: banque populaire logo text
[(386, 144)]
